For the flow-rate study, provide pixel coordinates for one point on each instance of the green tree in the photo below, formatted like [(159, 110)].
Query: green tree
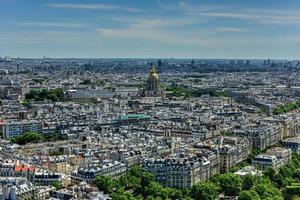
[(135, 171), (105, 184), (296, 174), (154, 189), (174, 193), (287, 108), (286, 171), (204, 191), (86, 82), (146, 179), (267, 190), (230, 184), (28, 137), (248, 182), (40, 95), (248, 195), (121, 194), (56, 153), (57, 185), (270, 173)]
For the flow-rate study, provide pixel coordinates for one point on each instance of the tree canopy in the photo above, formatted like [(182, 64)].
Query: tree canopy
[(204, 191), (248, 195), (33, 137), (28, 137), (40, 95), (230, 183), (271, 186), (287, 108)]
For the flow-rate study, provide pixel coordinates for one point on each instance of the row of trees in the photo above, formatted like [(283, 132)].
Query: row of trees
[(32, 137), (29, 137), (188, 92), (39, 80), (40, 95), (137, 185), (270, 186), (287, 108), (98, 82)]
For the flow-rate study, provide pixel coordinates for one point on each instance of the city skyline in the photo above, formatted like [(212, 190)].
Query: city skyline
[(152, 29)]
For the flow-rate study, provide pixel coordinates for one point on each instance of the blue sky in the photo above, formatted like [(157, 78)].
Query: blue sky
[(150, 28)]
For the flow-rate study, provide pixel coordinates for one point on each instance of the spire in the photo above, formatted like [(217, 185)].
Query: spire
[(153, 70)]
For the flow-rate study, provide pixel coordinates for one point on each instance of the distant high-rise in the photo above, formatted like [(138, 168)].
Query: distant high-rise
[(193, 62), (159, 66)]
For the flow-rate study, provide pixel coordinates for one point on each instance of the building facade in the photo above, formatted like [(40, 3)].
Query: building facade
[(180, 171), (88, 172), (13, 129)]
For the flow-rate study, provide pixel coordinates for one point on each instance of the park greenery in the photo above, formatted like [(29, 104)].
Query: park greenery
[(32, 137), (39, 80), (137, 185), (41, 95), (189, 92), (86, 82), (97, 82), (287, 108), (57, 185), (29, 137), (55, 153)]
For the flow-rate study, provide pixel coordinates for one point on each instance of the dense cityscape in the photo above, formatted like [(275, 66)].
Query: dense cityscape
[(149, 100), (149, 129)]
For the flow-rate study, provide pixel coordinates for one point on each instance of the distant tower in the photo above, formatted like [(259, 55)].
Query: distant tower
[(159, 66), (193, 62)]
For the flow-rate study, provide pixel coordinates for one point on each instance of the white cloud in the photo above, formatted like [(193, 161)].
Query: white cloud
[(158, 22), (168, 31), (266, 17), (93, 7), (263, 16), (164, 30), (170, 37), (196, 38), (233, 29), (48, 37), (155, 35), (52, 24)]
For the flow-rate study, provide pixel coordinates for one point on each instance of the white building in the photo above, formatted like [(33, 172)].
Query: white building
[(263, 162)]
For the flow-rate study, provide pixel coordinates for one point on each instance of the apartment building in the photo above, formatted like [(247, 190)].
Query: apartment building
[(292, 143), (281, 153), (263, 162), (178, 172), (89, 171), (16, 128)]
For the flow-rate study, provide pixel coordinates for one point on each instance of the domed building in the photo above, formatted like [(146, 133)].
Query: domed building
[(153, 87)]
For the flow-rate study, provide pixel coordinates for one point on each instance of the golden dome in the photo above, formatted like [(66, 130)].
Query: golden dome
[(153, 75)]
